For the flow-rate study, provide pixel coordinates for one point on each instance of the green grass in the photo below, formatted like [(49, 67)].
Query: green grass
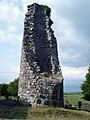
[(22, 112), (57, 114), (74, 98), (15, 112)]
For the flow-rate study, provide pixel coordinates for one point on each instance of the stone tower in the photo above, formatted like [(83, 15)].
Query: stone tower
[(41, 81)]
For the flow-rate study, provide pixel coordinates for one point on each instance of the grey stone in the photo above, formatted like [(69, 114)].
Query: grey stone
[(41, 79)]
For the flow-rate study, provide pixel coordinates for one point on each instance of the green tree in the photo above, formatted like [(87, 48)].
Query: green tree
[(0, 88), (13, 87), (3, 90), (86, 86)]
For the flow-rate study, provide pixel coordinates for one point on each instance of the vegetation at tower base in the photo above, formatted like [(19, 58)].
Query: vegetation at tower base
[(46, 9), (86, 86), (41, 79), (48, 113), (3, 90)]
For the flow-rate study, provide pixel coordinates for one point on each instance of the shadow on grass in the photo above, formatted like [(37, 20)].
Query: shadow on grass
[(10, 110)]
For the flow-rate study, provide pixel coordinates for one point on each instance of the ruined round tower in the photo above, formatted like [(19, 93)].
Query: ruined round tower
[(41, 80)]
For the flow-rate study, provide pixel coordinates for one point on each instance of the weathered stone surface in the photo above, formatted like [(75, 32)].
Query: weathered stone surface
[(41, 80)]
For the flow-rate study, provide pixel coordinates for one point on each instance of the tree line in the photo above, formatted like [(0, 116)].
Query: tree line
[(8, 90)]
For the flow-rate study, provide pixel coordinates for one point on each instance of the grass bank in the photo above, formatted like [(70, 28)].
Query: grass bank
[(57, 114), (23, 112), (14, 112)]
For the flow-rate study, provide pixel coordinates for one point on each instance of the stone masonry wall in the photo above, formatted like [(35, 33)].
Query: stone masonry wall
[(41, 80)]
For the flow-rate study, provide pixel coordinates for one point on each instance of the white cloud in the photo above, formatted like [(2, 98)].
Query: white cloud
[(11, 22), (9, 75), (73, 49), (74, 73), (15, 69)]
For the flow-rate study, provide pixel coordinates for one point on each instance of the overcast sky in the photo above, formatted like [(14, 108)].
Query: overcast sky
[(72, 30)]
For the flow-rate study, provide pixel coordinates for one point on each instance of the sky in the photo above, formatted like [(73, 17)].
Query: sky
[(72, 30)]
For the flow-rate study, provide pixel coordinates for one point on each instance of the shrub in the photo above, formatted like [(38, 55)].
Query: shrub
[(46, 9)]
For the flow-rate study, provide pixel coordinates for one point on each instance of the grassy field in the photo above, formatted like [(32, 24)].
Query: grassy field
[(15, 112), (22, 112), (57, 114), (73, 98)]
